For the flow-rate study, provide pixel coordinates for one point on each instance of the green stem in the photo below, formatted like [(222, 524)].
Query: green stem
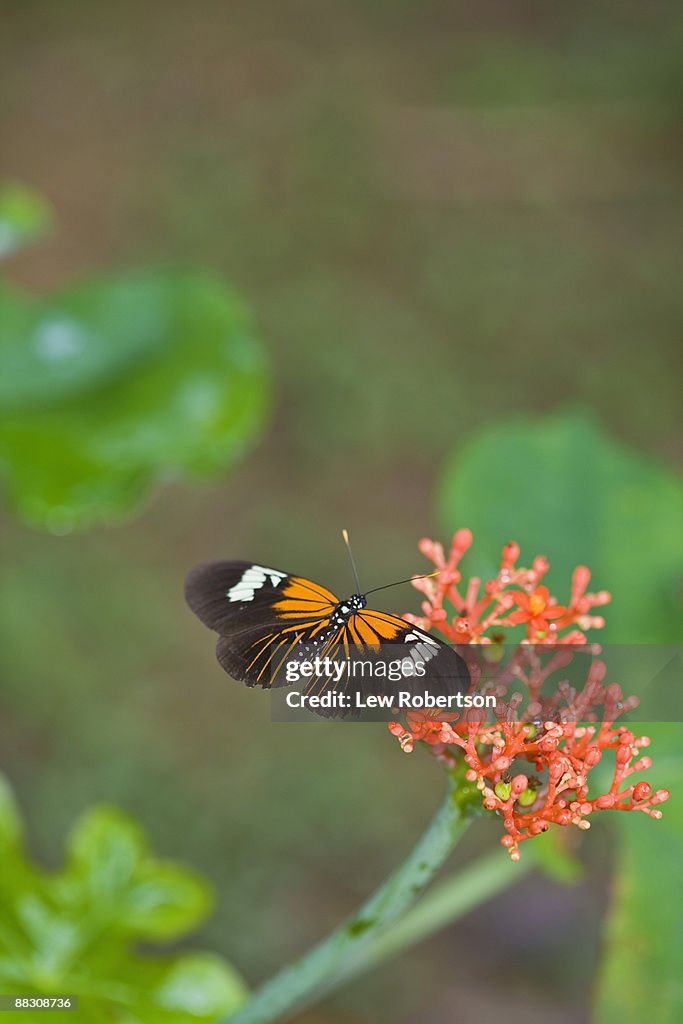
[(320, 970), (453, 898)]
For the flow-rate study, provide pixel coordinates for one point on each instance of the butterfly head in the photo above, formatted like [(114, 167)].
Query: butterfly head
[(345, 609)]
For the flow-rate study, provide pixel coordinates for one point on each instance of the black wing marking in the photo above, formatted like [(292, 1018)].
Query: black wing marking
[(260, 614)]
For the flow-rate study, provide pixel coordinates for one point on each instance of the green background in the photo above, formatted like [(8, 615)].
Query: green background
[(443, 217)]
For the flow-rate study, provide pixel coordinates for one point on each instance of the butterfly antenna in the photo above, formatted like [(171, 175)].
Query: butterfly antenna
[(345, 535), (398, 583)]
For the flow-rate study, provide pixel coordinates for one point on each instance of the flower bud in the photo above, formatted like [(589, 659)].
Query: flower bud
[(527, 797), (462, 541), (623, 756), (580, 579), (603, 803), (519, 784), (510, 555)]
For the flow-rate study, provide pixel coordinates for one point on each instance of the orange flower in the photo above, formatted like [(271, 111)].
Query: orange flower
[(536, 609)]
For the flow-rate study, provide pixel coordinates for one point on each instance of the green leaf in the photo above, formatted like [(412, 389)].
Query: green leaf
[(118, 385), (76, 931), (54, 938), (106, 848), (137, 893), (25, 217), (641, 978), (562, 488), (190, 987), (165, 902), (61, 348), (202, 985)]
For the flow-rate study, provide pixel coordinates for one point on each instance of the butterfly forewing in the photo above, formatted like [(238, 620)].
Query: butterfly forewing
[(258, 612), (231, 597)]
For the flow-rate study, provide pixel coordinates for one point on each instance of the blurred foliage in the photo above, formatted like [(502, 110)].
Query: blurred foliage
[(553, 855), (641, 976), (74, 931), (114, 385), (25, 217), (563, 489)]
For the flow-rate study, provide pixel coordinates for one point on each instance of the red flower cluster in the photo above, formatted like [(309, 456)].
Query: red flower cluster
[(531, 764), (515, 595)]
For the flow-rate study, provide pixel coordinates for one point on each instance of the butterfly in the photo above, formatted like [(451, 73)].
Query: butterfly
[(267, 620)]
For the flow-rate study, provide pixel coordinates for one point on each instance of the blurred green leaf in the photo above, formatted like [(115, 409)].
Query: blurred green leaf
[(86, 336), (164, 902), (201, 985), (106, 848), (110, 866), (562, 488), (551, 855), (74, 931), (25, 217), (641, 978), (159, 376)]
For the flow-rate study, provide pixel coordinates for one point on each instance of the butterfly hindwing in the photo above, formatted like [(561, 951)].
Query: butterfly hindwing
[(427, 663)]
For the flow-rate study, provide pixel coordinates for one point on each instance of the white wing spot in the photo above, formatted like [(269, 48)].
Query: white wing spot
[(425, 647), (252, 580)]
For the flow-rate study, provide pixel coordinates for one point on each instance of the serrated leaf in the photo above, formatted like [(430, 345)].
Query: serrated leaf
[(174, 385), (25, 217), (110, 869), (75, 931), (54, 937), (164, 902), (106, 849)]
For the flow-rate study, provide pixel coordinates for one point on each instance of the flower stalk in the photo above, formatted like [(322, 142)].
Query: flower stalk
[(343, 953), (478, 882)]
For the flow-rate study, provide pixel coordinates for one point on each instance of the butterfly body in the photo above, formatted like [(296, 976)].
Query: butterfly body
[(267, 620)]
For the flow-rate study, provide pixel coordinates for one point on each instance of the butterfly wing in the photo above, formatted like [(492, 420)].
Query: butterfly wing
[(261, 614), (437, 667)]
